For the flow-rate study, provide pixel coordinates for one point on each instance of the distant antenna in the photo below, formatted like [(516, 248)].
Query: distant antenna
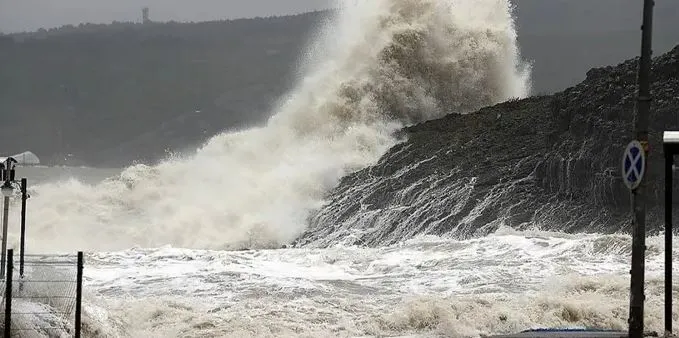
[(145, 15)]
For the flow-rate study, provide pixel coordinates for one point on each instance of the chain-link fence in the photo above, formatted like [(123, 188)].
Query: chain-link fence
[(46, 300)]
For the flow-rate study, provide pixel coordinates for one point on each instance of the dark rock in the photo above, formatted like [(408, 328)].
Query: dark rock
[(551, 162)]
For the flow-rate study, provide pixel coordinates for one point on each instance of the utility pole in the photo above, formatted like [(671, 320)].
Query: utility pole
[(641, 118)]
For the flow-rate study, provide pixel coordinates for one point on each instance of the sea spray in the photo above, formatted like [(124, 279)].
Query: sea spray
[(376, 66)]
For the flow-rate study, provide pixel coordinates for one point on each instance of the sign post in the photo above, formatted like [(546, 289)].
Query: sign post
[(633, 170), (641, 119)]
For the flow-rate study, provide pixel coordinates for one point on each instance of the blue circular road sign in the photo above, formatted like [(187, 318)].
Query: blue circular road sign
[(633, 165)]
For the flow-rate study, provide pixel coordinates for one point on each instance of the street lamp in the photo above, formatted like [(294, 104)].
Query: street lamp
[(7, 189)]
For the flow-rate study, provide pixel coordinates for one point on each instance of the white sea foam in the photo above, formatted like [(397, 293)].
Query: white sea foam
[(506, 282)]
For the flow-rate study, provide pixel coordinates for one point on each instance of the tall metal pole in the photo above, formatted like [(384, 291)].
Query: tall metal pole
[(669, 164), (79, 294), (636, 311), (5, 219), (22, 247)]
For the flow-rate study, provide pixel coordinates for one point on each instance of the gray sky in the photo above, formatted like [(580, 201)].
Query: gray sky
[(30, 15)]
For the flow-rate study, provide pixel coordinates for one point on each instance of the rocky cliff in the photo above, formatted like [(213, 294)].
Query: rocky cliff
[(551, 162)]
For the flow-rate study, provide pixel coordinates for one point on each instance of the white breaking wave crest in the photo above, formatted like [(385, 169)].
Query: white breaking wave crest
[(426, 287), (375, 67)]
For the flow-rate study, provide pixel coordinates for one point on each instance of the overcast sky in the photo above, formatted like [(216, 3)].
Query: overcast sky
[(30, 15)]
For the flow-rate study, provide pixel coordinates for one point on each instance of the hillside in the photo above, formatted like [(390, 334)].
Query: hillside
[(551, 162), (112, 94)]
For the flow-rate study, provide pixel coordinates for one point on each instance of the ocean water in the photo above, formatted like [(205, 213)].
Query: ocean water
[(423, 287), (196, 246), (426, 287)]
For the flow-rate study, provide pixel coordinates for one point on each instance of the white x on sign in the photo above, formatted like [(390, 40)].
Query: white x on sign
[(633, 164)]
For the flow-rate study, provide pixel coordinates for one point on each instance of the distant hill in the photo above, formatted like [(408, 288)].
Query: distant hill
[(107, 95)]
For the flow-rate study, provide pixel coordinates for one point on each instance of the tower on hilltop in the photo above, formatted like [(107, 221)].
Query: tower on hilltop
[(145, 15)]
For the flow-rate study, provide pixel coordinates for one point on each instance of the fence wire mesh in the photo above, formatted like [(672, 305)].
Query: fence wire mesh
[(44, 299)]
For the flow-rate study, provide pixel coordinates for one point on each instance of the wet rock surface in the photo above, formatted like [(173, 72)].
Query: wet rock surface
[(551, 162)]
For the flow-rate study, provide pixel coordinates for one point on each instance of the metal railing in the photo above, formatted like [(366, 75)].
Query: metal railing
[(47, 299)]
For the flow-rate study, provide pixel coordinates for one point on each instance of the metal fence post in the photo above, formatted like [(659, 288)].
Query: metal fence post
[(669, 164), (8, 294), (79, 295), (24, 196)]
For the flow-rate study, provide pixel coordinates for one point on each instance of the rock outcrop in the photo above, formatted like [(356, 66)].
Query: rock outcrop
[(551, 162)]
